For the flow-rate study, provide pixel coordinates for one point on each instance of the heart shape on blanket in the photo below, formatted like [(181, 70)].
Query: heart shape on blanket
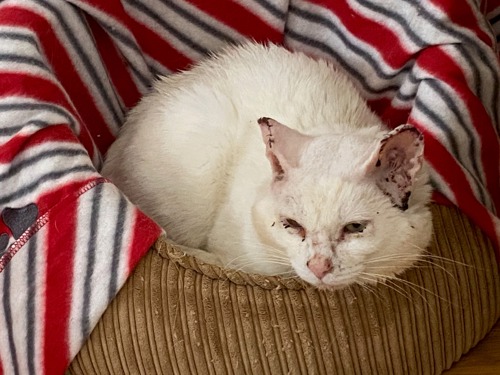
[(4, 241), (20, 219)]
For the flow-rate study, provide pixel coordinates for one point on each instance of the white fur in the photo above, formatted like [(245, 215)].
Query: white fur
[(191, 155)]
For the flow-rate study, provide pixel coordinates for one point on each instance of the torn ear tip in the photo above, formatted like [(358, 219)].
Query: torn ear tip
[(263, 121), (409, 127)]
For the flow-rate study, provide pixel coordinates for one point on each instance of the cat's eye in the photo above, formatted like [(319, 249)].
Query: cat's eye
[(354, 228), (290, 223)]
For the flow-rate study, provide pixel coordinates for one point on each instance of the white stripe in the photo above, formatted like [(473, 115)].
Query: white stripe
[(106, 229), (265, 15), (324, 35), (410, 15), (80, 32), (193, 32), (42, 112), (485, 75), (5, 354), (433, 101), (18, 268), (83, 234), (481, 20), (38, 150), (105, 237), (158, 67), (442, 186), (25, 179), (206, 38), (133, 57), (41, 274)]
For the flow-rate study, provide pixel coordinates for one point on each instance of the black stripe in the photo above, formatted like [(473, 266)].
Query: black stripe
[(400, 95), (472, 149), (495, 19), (125, 40), (89, 270), (27, 189), (219, 34), (17, 166), (30, 308), (11, 130), (145, 81), (22, 37), (40, 107), (8, 318), (141, 7), (414, 37), (348, 67), (327, 23), (156, 68), (443, 27), (420, 42), (478, 83), (83, 54), (271, 8), (117, 247), (441, 124), (408, 97), (8, 57)]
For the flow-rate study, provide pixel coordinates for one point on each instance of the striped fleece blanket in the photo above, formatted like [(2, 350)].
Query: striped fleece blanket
[(70, 70)]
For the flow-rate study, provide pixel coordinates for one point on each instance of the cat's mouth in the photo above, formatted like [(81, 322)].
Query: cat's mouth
[(333, 280)]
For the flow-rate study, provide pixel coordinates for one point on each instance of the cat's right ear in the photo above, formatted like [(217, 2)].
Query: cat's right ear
[(283, 146), (395, 163)]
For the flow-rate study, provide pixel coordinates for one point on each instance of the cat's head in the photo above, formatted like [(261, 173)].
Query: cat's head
[(348, 208)]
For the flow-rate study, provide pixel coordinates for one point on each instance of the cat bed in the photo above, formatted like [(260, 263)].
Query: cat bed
[(178, 316)]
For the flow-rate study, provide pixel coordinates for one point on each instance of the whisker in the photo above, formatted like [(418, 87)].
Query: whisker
[(370, 289), (415, 287), (245, 265), (396, 288)]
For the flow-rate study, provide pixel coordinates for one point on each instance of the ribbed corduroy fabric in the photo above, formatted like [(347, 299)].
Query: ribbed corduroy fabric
[(176, 316)]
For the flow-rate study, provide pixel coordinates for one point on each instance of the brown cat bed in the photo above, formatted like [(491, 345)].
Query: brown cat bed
[(178, 316)]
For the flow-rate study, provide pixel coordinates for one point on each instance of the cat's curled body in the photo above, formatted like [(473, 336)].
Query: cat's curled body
[(327, 196)]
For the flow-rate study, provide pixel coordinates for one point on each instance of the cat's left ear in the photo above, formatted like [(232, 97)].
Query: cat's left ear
[(283, 146), (395, 163)]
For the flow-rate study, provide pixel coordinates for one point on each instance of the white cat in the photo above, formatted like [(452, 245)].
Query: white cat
[(327, 196)]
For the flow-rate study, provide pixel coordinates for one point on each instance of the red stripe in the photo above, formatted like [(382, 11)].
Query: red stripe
[(71, 190), (390, 115), (158, 48), (445, 165), (147, 39), (54, 133), (445, 69), (55, 52), (115, 65), (60, 253), (460, 13), (241, 19), (145, 233), (35, 87), (377, 35)]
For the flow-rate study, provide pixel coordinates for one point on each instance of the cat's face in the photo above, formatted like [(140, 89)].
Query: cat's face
[(337, 232), (338, 220)]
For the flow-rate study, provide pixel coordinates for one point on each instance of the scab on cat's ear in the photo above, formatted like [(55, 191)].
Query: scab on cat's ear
[(395, 163)]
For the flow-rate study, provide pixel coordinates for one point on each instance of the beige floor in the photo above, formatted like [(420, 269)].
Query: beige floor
[(483, 359)]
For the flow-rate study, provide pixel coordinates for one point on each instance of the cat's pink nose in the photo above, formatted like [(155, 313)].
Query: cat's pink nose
[(319, 266)]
